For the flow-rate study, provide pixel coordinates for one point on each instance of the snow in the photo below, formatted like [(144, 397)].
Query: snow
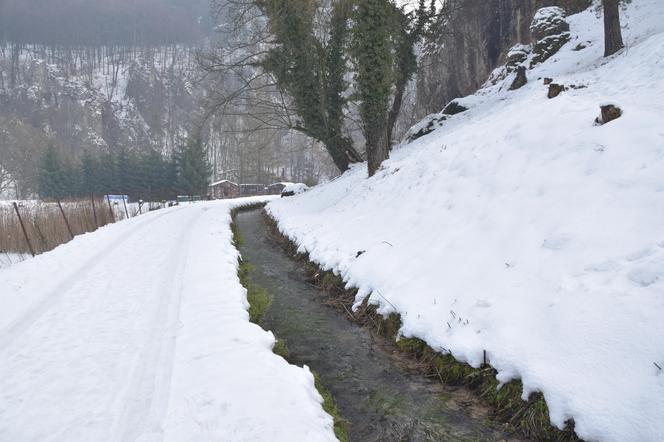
[(216, 183), (522, 229), (140, 331), (548, 14), (295, 188)]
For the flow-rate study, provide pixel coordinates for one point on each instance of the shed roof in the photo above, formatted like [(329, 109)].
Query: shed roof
[(216, 183)]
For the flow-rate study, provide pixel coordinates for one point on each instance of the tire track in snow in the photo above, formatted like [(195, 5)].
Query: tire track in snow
[(146, 399), (51, 299)]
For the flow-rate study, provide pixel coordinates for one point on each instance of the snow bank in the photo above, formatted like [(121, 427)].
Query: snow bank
[(521, 229), (295, 188), (140, 331)]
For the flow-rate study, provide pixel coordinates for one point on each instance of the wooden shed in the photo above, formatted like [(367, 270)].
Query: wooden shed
[(252, 189), (224, 189)]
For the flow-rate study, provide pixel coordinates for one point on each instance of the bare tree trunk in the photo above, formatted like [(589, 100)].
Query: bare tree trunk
[(613, 41), (342, 152), (395, 110)]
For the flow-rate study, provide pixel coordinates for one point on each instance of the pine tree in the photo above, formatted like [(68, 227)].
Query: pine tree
[(88, 174), (51, 177), (193, 168), (123, 169), (172, 177)]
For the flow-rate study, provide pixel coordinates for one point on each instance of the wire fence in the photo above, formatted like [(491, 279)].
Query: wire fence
[(34, 227)]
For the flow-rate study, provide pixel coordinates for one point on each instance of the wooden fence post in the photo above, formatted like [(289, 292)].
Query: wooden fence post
[(124, 201), (110, 208), (25, 233), (94, 210), (65, 218)]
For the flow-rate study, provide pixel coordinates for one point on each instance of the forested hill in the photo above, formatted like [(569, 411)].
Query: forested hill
[(95, 75), (104, 76)]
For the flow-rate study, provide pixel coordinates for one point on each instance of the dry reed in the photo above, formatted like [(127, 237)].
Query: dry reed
[(45, 225)]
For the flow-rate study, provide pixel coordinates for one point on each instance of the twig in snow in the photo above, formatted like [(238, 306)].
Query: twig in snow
[(386, 300), (389, 244), (657, 365)]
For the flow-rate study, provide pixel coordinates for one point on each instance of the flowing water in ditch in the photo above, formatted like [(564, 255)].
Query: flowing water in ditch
[(374, 387)]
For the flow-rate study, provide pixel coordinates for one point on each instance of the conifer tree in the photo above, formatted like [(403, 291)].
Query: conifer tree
[(51, 177), (88, 174), (193, 168)]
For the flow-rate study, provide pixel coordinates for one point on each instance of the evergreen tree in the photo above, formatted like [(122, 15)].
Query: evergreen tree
[(88, 174), (107, 173), (69, 180), (155, 170), (193, 168), (172, 177), (123, 170), (51, 179)]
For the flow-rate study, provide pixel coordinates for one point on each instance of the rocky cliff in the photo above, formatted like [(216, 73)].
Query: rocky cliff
[(472, 40)]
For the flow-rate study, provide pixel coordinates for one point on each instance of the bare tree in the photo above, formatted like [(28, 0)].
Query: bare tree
[(613, 41), (6, 181)]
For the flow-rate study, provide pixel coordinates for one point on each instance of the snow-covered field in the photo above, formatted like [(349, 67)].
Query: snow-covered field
[(140, 331), (522, 229)]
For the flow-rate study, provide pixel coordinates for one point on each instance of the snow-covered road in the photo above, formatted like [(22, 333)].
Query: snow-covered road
[(139, 331)]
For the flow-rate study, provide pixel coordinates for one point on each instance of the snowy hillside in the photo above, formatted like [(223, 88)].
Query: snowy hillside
[(100, 97), (521, 228)]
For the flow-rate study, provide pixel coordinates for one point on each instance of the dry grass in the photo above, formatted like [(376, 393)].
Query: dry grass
[(45, 225)]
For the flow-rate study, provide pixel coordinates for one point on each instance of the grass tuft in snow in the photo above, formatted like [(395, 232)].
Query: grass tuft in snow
[(340, 424), (258, 297), (280, 349)]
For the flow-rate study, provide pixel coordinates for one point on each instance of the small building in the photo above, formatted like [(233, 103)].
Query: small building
[(224, 189), (276, 188), (252, 189)]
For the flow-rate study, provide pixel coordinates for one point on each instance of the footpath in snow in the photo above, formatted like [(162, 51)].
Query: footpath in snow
[(140, 331), (522, 229)]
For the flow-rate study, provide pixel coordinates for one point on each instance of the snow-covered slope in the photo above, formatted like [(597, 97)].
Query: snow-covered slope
[(140, 331), (522, 229)]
